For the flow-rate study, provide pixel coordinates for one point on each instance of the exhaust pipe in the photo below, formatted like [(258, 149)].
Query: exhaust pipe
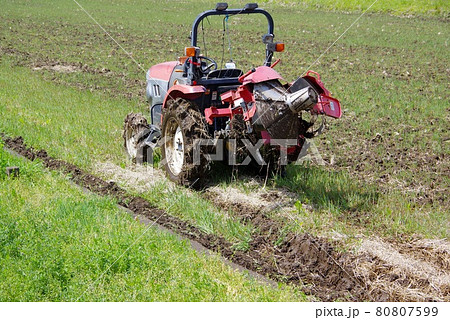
[(303, 99)]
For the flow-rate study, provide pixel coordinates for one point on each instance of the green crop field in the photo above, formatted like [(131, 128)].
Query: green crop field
[(398, 7), (66, 87)]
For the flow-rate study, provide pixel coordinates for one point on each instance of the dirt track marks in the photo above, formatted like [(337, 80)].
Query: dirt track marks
[(309, 258)]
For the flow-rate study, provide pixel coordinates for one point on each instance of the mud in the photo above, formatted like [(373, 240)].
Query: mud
[(58, 68), (45, 63)]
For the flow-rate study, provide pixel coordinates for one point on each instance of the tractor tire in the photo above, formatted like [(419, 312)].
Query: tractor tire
[(135, 128), (182, 125)]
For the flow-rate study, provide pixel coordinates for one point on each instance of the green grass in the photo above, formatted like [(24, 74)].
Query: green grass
[(64, 122), (400, 7), (345, 205), (56, 242), (191, 207), (85, 129)]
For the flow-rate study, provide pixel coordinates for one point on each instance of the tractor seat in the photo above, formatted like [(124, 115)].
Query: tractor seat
[(224, 73)]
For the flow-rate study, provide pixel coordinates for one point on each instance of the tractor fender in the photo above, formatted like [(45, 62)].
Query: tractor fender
[(183, 91), (262, 74), (161, 71)]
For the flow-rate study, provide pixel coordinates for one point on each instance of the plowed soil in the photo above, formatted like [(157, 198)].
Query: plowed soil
[(301, 259), (387, 271)]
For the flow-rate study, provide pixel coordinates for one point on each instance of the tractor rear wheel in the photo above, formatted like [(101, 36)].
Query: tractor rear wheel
[(182, 125)]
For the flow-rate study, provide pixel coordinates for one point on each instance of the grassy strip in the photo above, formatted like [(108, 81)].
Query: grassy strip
[(188, 205), (56, 241), (85, 128), (346, 205), (399, 7)]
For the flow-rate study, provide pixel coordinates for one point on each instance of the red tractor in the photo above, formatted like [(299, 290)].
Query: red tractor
[(202, 113)]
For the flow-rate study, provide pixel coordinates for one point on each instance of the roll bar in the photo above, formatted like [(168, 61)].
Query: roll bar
[(230, 12), (222, 10)]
